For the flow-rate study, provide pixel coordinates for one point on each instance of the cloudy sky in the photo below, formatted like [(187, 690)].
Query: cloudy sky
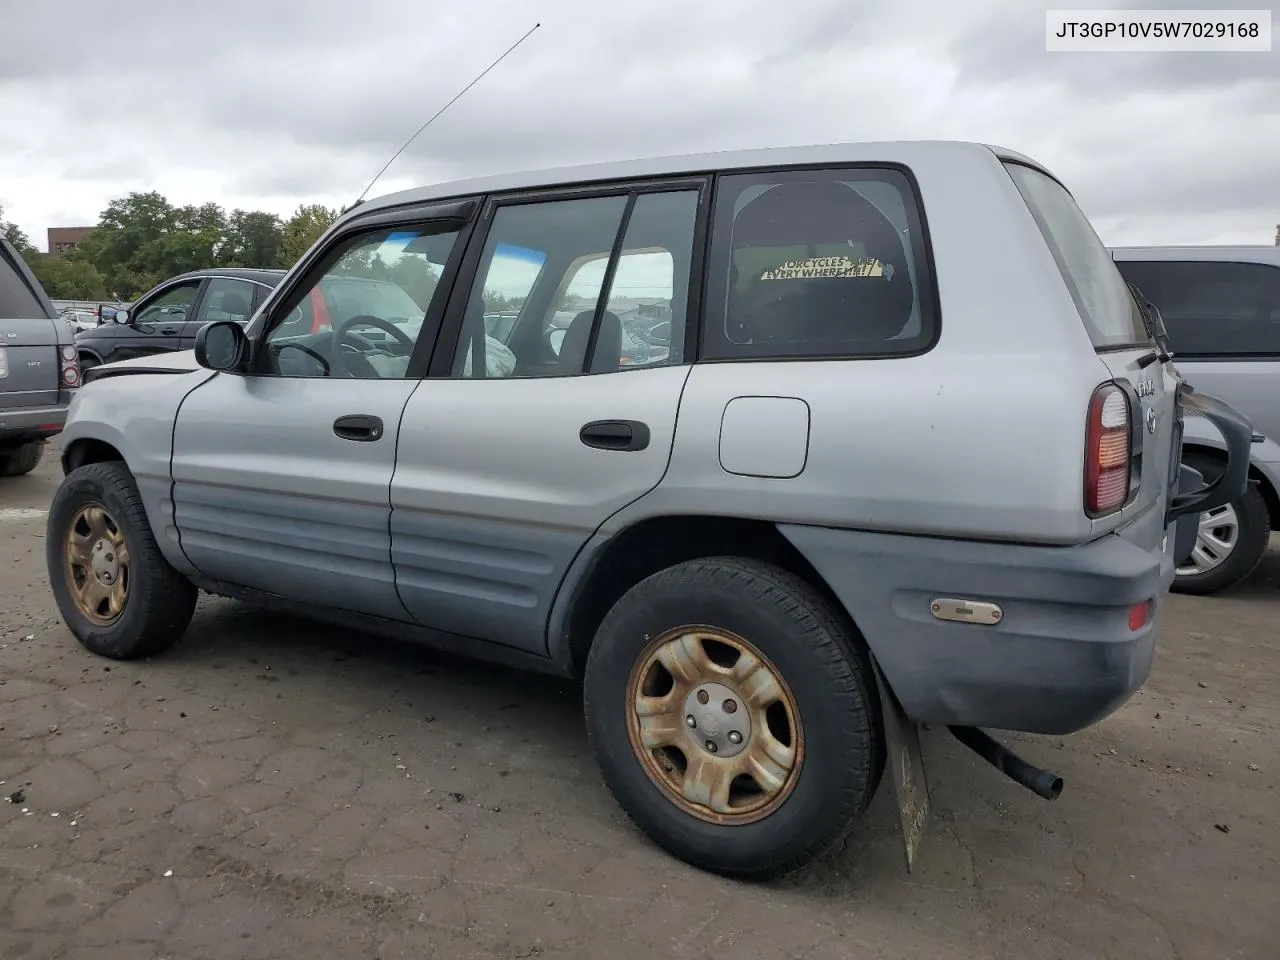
[(270, 103)]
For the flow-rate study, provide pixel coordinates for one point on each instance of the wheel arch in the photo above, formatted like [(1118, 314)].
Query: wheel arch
[(86, 450), (609, 566), (1266, 488)]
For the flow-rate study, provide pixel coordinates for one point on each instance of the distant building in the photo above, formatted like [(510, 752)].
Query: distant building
[(62, 239)]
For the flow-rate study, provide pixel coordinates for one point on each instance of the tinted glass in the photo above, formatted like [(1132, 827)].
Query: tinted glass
[(172, 306), (824, 263), (17, 302), (361, 318), (226, 299), (1101, 297), (1213, 309)]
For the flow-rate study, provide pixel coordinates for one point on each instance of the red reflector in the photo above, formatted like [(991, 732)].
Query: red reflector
[(50, 428), (1140, 615)]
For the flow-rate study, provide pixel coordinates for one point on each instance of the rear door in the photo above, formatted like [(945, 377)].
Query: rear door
[(1117, 330), (517, 447), (1223, 320), (29, 368)]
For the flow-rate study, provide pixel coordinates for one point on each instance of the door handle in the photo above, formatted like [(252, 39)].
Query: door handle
[(625, 435), (358, 426), (169, 331)]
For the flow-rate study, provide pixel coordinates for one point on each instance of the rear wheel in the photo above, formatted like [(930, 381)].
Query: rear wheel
[(114, 588), (734, 716), (17, 461), (1230, 539)]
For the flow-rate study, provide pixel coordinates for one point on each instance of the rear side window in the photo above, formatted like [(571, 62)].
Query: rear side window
[(817, 263), (1213, 309), (17, 302), (1101, 296)]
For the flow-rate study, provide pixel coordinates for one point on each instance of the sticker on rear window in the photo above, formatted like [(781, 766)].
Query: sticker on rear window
[(827, 267)]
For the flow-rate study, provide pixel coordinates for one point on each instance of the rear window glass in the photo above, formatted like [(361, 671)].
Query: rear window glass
[(17, 302), (1213, 309), (817, 263), (1102, 298)]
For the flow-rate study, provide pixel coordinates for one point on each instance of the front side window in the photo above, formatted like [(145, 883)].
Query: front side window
[(226, 299), (817, 263), (1107, 309), (1213, 309), (362, 316), (539, 306), (169, 307)]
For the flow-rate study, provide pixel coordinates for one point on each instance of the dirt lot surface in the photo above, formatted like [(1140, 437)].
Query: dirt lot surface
[(273, 789)]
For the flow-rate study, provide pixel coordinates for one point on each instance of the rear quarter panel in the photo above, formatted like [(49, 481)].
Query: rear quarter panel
[(981, 437), (135, 414)]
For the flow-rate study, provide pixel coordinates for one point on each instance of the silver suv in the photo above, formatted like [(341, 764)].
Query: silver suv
[(38, 369), (1221, 306), (872, 480)]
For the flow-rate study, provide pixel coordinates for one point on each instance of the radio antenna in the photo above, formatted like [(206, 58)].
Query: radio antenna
[(509, 49)]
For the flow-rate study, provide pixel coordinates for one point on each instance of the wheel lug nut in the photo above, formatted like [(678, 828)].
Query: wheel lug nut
[(690, 721), (735, 737), (703, 696), (711, 746), (730, 706)]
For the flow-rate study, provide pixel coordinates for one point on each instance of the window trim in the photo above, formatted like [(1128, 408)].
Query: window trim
[(160, 289), (204, 295), (289, 293), (1264, 357), (441, 364), (927, 294)]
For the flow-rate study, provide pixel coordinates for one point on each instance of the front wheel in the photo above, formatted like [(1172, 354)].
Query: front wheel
[(734, 716), (114, 588), (1230, 540)]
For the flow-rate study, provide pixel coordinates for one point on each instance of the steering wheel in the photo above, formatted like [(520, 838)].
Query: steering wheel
[(343, 337)]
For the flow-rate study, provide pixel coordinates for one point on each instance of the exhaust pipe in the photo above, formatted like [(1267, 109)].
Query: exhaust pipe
[(1044, 783)]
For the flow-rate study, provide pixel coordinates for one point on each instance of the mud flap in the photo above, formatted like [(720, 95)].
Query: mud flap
[(906, 767)]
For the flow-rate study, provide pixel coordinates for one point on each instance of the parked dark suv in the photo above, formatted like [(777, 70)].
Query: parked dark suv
[(168, 316), (38, 369)]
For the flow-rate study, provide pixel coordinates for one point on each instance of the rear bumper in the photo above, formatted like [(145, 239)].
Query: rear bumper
[(29, 423), (1061, 658)]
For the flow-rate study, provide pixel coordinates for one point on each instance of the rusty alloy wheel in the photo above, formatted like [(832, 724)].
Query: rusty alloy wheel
[(714, 725), (95, 561)]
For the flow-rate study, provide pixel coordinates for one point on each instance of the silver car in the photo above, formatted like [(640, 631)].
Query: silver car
[(38, 369), (909, 455), (1221, 306)]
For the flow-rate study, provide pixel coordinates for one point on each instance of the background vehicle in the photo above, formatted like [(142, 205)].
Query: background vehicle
[(80, 319), (167, 317), (771, 550), (1221, 306), (38, 369)]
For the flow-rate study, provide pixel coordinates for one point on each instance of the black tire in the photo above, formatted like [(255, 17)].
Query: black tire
[(88, 360), (21, 460), (160, 601), (815, 651), (1253, 532)]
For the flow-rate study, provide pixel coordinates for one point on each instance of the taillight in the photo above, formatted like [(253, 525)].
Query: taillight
[(1107, 451), (69, 366)]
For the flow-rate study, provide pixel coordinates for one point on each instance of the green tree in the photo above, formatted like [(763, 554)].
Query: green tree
[(303, 229), (14, 234), (253, 238), (65, 279)]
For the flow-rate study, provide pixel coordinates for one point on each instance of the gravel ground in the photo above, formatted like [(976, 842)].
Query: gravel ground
[(275, 789)]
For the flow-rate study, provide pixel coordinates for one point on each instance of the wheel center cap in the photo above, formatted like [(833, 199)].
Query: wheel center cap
[(106, 565), (716, 719)]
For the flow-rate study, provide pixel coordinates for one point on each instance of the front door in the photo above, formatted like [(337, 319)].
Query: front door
[(281, 476), (224, 298), (528, 435), (157, 321)]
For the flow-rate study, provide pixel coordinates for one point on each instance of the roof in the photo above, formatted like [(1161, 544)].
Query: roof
[(269, 276), (1238, 253), (900, 151)]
